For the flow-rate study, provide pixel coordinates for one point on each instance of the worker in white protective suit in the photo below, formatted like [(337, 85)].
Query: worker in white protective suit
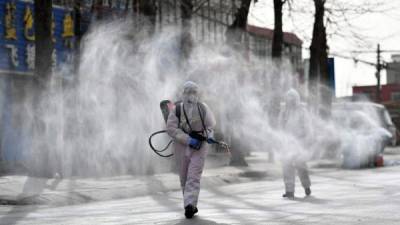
[(190, 132), (294, 123)]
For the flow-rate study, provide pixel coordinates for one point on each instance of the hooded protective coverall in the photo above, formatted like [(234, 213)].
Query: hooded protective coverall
[(190, 162), (293, 121)]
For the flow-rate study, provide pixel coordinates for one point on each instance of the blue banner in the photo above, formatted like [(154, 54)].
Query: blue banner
[(331, 74), (17, 39)]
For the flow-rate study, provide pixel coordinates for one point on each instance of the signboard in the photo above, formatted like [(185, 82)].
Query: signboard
[(17, 36), (331, 74)]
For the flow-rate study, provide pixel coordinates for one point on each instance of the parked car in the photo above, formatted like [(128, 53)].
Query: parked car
[(366, 130), (393, 108)]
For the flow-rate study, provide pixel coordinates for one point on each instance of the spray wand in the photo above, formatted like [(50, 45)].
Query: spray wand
[(221, 144)]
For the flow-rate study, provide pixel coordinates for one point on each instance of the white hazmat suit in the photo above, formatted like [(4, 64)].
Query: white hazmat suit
[(293, 121), (190, 162)]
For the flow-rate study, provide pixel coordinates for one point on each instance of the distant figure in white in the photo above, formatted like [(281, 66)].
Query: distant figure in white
[(190, 131), (294, 123)]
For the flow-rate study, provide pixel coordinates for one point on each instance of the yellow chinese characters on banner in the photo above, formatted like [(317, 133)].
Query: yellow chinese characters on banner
[(28, 25), (10, 27), (68, 26)]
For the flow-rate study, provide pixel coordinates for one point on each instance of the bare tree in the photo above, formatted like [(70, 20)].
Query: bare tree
[(340, 15), (318, 72), (319, 47), (234, 36), (149, 9), (238, 27), (77, 31), (145, 12), (337, 17), (186, 36), (277, 40), (186, 12), (45, 161), (97, 6), (127, 2), (332, 19)]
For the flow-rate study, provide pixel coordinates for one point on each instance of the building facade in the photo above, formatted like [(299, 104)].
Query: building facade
[(390, 92), (17, 37), (393, 70), (209, 24), (260, 43)]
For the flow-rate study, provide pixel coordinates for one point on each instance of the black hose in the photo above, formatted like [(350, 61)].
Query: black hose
[(158, 152)]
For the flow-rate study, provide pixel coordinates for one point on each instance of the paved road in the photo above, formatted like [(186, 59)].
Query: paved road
[(370, 196)]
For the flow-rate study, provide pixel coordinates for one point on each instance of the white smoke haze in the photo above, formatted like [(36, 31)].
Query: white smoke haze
[(98, 123), (362, 132)]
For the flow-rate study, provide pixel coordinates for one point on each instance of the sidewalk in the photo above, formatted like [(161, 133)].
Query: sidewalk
[(23, 190), (359, 197)]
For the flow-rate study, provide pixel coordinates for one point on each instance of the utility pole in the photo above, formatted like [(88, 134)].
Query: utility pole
[(380, 65), (378, 74)]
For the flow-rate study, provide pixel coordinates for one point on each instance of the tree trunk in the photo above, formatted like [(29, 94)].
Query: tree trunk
[(135, 6), (277, 40), (186, 36), (238, 27), (97, 9), (77, 31), (186, 13), (44, 160), (145, 11), (234, 36), (149, 9), (319, 47), (43, 38), (127, 6), (319, 60)]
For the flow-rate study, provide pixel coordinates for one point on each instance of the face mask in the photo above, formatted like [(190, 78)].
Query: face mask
[(291, 101), (192, 98)]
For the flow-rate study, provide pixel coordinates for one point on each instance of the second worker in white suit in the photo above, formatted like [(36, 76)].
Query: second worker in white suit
[(294, 123)]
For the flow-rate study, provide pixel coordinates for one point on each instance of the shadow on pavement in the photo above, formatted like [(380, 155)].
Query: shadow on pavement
[(159, 194), (30, 198), (198, 221), (311, 199), (32, 188)]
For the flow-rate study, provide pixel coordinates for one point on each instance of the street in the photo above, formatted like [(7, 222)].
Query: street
[(368, 196), (111, 110)]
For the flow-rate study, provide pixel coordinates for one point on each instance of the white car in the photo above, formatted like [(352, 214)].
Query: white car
[(366, 128)]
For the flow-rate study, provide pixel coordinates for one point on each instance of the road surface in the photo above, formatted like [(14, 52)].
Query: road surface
[(369, 196)]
